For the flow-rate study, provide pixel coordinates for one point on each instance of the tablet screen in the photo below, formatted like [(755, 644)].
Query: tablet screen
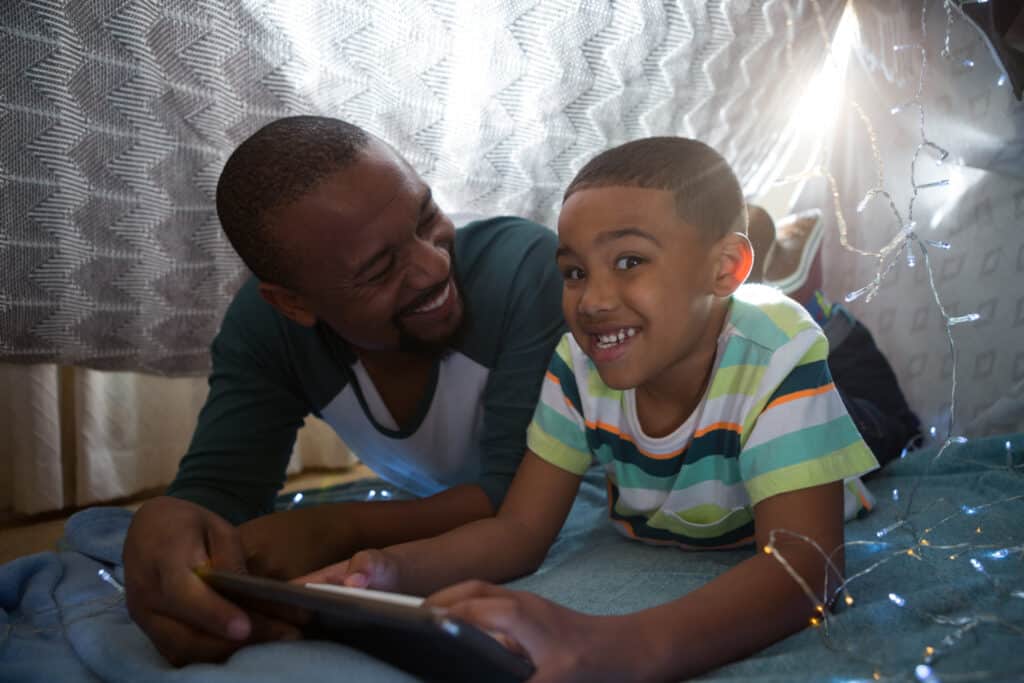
[(388, 626)]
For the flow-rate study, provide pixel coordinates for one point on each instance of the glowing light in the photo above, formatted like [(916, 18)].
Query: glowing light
[(1002, 81), (896, 492), (924, 673), (897, 600), (968, 510), (1000, 554), (848, 599), (925, 541), (977, 565), (768, 550), (958, 319)]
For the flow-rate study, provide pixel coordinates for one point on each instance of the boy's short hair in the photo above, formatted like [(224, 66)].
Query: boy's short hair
[(708, 195), (272, 168)]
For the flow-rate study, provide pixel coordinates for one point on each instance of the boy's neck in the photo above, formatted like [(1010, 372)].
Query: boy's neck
[(666, 402)]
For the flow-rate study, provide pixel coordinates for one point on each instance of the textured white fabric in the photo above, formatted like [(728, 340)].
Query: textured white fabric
[(117, 117)]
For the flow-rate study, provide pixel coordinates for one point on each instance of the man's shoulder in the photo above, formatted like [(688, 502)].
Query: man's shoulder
[(500, 239)]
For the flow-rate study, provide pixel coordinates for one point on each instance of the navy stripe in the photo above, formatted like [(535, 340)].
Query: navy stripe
[(567, 379), (806, 376), (723, 442), (640, 528)]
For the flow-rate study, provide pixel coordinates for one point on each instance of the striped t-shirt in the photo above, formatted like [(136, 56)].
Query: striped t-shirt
[(770, 421)]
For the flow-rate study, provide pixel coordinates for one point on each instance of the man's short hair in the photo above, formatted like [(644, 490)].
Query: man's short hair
[(273, 168), (707, 193)]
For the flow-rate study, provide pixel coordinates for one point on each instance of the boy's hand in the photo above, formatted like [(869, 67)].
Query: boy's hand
[(283, 545), (375, 569), (563, 645), (186, 619)]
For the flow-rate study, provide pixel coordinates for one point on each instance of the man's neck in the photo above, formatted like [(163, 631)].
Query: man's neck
[(402, 379)]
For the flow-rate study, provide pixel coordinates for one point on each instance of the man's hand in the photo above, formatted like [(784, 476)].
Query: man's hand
[(186, 619), (563, 645), (286, 544), (367, 569)]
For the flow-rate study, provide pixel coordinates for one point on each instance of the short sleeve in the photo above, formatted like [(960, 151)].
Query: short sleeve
[(557, 432), (802, 435)]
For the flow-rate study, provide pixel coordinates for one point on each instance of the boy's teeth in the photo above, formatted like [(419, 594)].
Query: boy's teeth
[(606, 340)]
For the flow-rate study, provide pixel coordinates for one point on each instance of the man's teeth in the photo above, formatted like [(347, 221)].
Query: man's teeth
[(605, 341), (436, 302)]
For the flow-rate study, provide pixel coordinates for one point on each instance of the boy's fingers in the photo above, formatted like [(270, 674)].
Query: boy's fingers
[(467, 590), (504, 619), (334, 573), (181, 644), (357, 580)]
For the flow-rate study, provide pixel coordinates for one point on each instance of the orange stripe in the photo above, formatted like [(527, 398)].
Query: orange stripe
[(728, 426), (805, 393), (551, 376)]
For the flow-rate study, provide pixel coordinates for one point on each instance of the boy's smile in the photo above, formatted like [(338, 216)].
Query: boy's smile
[(640, 292)]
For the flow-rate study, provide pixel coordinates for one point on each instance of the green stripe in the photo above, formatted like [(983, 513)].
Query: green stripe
[(596, 387), (713, 468), (717, 442), (559, 427), (555, 452), (736, 353), (852, 460), (797, 447), (561, 367), (736, 379), (662, 527)]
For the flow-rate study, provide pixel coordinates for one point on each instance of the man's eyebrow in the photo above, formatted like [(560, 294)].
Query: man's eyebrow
[(619, 233), (427, 198)]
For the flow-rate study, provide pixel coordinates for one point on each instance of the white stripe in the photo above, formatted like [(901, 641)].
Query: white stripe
[(809, 411), (553, 398), (711, 492)]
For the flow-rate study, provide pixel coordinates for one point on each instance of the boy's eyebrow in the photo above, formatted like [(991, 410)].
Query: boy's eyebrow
[(428, 195), (619, 233)]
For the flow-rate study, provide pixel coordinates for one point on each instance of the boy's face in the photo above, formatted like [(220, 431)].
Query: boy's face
[(374, 256), (638, 287)]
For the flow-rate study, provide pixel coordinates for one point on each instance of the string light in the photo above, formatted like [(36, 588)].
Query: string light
[(902, 247)]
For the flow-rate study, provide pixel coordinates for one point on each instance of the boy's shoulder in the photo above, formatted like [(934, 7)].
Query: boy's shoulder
[(765, 316)]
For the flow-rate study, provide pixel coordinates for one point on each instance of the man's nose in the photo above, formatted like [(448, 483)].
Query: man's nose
[(429, 264)]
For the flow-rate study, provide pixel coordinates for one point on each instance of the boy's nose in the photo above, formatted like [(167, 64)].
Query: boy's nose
[(598, 297)]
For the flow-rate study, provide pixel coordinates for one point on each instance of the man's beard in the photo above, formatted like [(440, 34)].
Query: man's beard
[(410, 343)]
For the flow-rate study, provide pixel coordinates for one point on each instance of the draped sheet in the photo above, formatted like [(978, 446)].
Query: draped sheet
[(117, 116)]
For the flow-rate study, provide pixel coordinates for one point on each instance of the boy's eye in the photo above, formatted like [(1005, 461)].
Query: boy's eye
[(627, 262), (572, 273)]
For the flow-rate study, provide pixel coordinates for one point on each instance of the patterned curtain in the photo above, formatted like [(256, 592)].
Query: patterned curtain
[(117, 115)]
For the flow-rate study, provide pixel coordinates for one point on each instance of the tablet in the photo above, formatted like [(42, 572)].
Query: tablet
[(389, 626)]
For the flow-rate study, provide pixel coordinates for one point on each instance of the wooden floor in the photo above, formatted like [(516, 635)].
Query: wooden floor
[(31, 535)]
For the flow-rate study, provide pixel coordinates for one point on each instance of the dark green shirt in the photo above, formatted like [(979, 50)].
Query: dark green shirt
[(269, 373)]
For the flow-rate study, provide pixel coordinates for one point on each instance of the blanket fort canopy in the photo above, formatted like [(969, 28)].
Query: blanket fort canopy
[(117, 117)]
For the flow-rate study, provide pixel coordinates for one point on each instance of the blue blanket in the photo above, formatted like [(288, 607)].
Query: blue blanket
[(941, 558)]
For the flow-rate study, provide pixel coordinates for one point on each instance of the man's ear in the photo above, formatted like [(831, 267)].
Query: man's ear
[(734, 258), (288, 303)]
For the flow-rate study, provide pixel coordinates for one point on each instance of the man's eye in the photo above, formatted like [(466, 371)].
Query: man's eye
[(627, 262), (572, 273), (381, 274)]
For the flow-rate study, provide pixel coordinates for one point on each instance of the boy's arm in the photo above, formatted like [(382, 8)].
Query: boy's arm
[(499, 548), (735, 615)]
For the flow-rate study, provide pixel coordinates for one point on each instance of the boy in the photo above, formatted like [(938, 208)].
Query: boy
[(711, 408)]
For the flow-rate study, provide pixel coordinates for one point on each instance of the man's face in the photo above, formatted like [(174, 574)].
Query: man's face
[(371, 255)]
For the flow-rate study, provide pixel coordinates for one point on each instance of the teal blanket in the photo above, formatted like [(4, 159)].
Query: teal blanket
[(937, 582)]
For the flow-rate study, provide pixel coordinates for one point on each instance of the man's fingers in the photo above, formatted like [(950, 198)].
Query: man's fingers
[(186, 597), (266, 629), (181, 644), (224, 546)]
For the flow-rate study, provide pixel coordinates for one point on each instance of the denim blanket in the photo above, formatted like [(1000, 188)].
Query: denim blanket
[(936, 581)]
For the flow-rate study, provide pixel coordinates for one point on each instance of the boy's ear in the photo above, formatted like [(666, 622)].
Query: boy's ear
[(734, 260), (288, 303)]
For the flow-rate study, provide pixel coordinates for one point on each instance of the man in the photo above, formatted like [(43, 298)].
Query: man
[(422, 346)]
